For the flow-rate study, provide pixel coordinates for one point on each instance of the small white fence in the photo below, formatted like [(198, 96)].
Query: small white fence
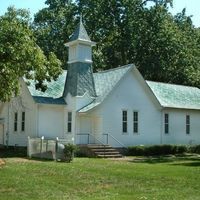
[(47, 148)]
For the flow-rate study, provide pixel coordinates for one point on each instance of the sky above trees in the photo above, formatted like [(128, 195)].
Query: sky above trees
[(192, 7)]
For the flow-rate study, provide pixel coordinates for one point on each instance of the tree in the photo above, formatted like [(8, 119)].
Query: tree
[(167, 47), (164, 47), (53, 26), (20, 56), (109, 25)]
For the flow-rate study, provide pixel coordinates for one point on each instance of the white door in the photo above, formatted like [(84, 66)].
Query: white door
[(1, 133), (97, 129)]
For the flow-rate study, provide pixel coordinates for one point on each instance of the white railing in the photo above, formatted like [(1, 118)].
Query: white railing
[(104, 139), (46, 148)]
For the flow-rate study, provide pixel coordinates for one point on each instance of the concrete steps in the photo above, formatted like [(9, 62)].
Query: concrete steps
[(103, 151)]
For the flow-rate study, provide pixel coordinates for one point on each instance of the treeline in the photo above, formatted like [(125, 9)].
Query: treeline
[(164, 47)]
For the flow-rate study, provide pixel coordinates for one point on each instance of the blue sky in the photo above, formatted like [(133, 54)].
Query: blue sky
[(192, 7)]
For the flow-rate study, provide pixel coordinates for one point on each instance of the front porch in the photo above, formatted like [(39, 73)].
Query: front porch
[(99, 145)]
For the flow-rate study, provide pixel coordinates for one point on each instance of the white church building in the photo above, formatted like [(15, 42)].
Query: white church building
[(115, 106)]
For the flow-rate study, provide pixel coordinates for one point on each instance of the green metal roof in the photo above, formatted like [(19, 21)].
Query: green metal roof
[(49, 100), (54, 92), (168, 95), (105, 81), (79, 80), (176, 96), (80, 33)]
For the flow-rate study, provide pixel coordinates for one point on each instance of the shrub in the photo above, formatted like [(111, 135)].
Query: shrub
[(135, 151), (180, 149), (157, 150), (194, 149), (69, 151), (81, 153)]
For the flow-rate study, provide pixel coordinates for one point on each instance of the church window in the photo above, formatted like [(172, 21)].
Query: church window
[(124, 121), (135, 122), (187, 124), (69, 123), (166, 121), (15, 121), (23, 122)]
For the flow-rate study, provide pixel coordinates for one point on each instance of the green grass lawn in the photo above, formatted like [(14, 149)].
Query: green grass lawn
[(87, 178)]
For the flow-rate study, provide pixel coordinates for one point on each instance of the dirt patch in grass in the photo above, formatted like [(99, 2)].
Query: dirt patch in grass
[(25, 160), (2, 162)]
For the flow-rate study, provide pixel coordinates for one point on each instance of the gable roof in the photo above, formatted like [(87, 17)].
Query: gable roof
[(176, 96), (105, 82), (168, 95)]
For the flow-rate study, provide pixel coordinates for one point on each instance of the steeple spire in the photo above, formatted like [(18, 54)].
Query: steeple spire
[(80, 45), (80, 33), (80, 74), (81, 18)]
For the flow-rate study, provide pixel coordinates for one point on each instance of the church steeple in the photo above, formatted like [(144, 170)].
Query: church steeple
[(80, 45), (80, 74)]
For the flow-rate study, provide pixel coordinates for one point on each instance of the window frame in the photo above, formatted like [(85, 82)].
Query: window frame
[(124, 122), (69, 122), (135, 122), (187, 124), (166, 123), (23, 118), (15, 121)]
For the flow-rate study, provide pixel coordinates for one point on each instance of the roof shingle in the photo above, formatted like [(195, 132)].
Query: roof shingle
[(176, 96), (168, 95), (80, 33)]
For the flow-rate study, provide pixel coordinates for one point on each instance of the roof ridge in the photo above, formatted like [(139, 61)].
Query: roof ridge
[(175, 84), (114, 69)]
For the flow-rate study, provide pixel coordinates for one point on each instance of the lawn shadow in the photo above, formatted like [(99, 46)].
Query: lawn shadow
[(152, 159), (186, 160), (188, 164), (11, 152)]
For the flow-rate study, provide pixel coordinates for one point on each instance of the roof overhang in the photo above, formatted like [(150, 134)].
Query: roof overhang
[(86, 42), (181, 108)]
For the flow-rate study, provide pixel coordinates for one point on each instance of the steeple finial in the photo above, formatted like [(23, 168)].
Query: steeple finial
[(81, 18), (80, 33)]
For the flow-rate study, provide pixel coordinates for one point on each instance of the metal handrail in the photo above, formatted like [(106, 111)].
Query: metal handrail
[(88, 134), (116, 140), (108, 135)]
